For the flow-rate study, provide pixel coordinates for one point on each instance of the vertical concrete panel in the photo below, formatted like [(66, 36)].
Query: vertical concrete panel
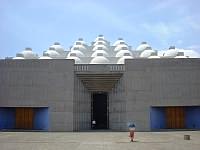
[(117, 107), (82, 107)]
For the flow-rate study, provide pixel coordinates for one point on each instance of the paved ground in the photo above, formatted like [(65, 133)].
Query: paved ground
[(98, 141)]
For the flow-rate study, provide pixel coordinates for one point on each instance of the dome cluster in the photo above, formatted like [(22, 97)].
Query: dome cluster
[(100, 51), (27, 53)]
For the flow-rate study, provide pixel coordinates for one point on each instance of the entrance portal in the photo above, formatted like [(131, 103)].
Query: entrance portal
[(99, 111)]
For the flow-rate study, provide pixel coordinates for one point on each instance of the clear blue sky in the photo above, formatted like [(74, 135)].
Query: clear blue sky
[(39, 23)]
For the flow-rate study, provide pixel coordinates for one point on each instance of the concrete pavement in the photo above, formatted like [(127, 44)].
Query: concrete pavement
[(98, 141)]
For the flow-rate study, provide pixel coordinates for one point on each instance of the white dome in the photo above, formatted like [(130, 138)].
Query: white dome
[(80, 41), (120, 41), (77, 60), (99, 38), (81, 48), (102, 52), (51, 53), (190, 53), (124, 53), (121, 47), (58, 47), (171, 53), (99, 60), (28, 54), (45, 57), (100, 47), (152, 57), (18, 58), (76, 53), (180, 57), (122, 59), (142, 46), (147, 53)]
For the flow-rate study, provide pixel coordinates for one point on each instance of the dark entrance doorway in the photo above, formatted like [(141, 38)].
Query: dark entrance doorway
[(99, 111)]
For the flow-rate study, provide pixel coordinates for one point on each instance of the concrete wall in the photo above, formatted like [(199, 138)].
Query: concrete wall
[(160, 82), (117, 107), (145, 83), (40, 83), (82, 106)]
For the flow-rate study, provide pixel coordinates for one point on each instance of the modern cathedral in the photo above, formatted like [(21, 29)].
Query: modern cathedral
[(100, 86)]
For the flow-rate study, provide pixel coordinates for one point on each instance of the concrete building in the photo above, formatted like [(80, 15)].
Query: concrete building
[(100, 86)]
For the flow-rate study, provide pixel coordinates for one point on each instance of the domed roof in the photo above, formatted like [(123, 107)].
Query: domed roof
[(45, 57), (18, 58), (180, 57), (121, 47), (171, 53), (76, 53), (28, 54), (77, 60), (58, 47), (51, 53), (99, 38), (190, 53), (122, 53), (142, 46), (80, 41), (99, 60), (152, 57), (100, 47), (119, 41), (122, 59), (100, 52), (147, 53)]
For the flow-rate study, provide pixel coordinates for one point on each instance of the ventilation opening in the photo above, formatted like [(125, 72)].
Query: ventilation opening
[(124, 48), (99, 48), (78, 43)]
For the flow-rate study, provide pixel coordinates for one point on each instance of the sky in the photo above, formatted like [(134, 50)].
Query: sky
[(40, 23)]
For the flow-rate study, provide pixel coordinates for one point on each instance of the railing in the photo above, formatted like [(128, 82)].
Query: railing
[(103, 67), (81, 67)]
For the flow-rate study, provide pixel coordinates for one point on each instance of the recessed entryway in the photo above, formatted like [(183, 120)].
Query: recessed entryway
[(99, 109)]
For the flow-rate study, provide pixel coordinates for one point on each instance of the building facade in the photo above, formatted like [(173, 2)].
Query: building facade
[(100, 92)]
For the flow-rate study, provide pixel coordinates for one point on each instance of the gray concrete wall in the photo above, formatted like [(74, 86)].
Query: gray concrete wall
[(145, 83), (159, 82), (82, 106), (36, 83), (117, 107)]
